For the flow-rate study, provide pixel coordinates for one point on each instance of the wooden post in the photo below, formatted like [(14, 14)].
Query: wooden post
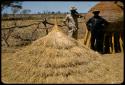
[(113, 48), (89, 39), (86, 32), (45, 25), (110, 49), (85, 38), (121, 43)]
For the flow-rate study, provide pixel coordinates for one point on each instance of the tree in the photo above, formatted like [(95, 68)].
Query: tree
[(58, 12), (25, 11), (53, 12), (15, 7), (44, 12), (4, 14), (9, 3), (38, 12), (6, 35)]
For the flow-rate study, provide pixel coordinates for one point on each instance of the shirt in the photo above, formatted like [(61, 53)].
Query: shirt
[(72, 20)]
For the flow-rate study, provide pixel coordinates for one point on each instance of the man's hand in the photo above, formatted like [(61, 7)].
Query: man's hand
[(65, 23)]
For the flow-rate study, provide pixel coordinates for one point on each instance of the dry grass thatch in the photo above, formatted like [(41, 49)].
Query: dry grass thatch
[(111, 12), (56, 58)]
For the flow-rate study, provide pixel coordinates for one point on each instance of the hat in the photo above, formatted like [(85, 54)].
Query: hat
[(73, 8), (96, 12)]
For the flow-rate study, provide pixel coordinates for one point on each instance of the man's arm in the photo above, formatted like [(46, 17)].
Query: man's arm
[(89, 24), (78, 15), (65, 20)]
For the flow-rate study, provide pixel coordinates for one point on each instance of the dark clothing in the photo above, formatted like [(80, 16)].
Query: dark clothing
[(116, 42), (96, 25), (107, 42), (93, 41), (99, 41)]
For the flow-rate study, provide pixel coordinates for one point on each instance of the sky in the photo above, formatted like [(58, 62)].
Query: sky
[(62, 6)]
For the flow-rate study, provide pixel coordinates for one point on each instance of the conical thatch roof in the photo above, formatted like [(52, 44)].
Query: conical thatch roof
[(55, 58), (110, 11), (120, 4)]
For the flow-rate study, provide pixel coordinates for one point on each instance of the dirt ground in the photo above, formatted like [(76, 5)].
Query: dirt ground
[(115, 62)]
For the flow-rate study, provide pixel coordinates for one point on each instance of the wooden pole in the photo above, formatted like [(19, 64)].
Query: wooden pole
[(121, 43), (86, 36), (88, 39), (86, 32), (113, 49), (110, 49)]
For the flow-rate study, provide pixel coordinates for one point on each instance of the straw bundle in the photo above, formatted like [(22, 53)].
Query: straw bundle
[(55, 58), (110, 11)]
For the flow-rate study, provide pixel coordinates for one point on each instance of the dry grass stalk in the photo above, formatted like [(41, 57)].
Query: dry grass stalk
[(56, 58)]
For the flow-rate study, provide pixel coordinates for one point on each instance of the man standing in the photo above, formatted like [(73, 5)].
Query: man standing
[(96, 25), (72, 22)]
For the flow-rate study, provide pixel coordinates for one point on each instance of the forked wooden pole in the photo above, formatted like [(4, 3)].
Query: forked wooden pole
[(113, 48), (56, 23)]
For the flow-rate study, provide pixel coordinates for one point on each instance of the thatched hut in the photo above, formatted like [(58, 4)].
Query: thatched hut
[(110, 11), (113, 13), (56, 58)]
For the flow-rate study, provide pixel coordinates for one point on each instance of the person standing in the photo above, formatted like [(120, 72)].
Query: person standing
[(96, 25), (72, 24)]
